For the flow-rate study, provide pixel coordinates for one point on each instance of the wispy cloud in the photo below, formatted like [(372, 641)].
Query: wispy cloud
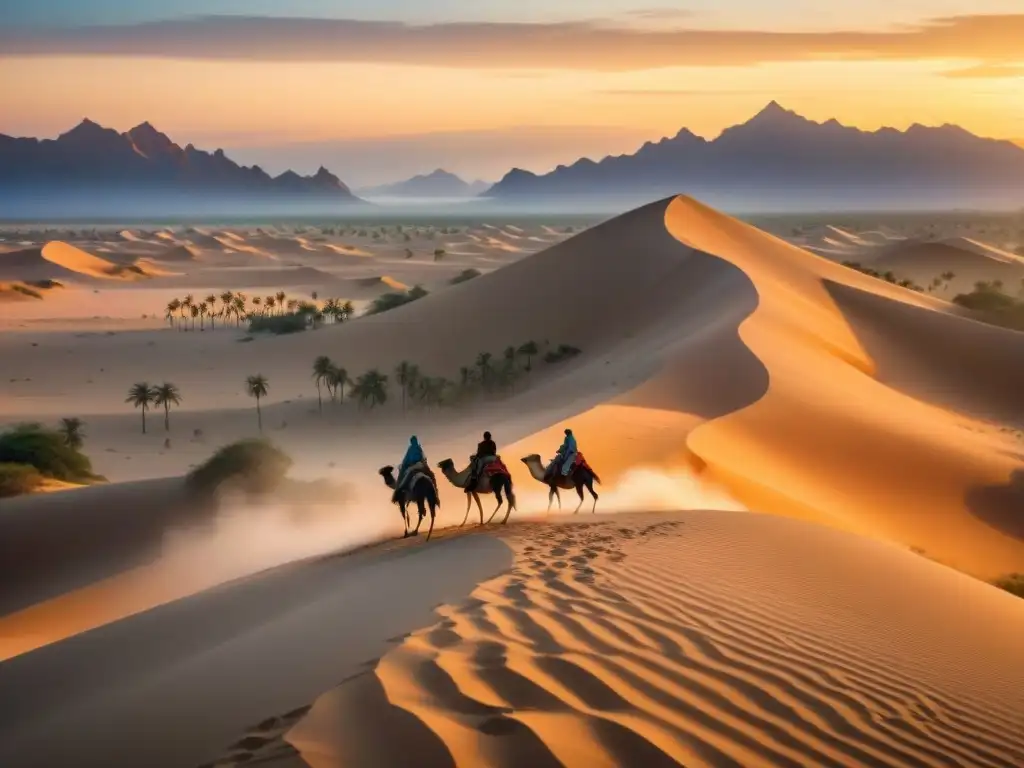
[(988, 71), (992, 40)]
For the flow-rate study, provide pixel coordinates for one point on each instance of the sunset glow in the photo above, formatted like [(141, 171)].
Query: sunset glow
[(338, 72)]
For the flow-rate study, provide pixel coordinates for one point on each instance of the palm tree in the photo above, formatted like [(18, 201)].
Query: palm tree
[(211, 305), (256, 386), (184, 306), (483, 362), (337, 381), (372, 388), (406, 374), (203, 309), (330, 309), (280, 296), (141, 395), (322, 368), (348, 310), (167, 395), (194, 311), (172, 309), (269, 303), (239, 309), (227, 302), (508, 367), (71, 430), (256, 301), (529, 350)]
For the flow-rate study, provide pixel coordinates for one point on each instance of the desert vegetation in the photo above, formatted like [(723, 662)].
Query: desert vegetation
[(144, 396), (396, 299), (1012, 583), (275, 313), (253, 466), (990, 304), (31, 453), (465, 276), (487, 375)]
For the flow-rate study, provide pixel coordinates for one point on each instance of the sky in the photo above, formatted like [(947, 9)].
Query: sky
[(378, 90)]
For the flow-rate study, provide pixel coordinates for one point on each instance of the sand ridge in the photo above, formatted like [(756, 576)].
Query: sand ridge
[(701, 638)]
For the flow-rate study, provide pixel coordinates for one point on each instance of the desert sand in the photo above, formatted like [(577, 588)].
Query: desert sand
[(808, 474)]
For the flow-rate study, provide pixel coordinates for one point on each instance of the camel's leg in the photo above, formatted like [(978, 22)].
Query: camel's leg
[(479, 506), (497, 495), (590, 487), (422, 513), (433, 514), (579, 490), (405, 517), (469, 503)]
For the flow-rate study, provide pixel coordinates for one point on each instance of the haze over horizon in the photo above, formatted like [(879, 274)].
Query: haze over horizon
[(381, 91)]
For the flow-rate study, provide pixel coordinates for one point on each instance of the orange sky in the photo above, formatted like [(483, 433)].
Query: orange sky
[(271, 82)]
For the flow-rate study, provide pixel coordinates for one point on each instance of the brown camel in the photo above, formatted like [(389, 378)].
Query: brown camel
[(497, 484), (581, 477), (421, 492)]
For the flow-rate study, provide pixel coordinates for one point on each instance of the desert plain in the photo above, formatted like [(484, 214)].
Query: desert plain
[(811, 469)]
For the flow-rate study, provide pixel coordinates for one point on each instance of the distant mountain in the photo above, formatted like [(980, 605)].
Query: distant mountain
[(439, 183), (779, 160), (92, 167)]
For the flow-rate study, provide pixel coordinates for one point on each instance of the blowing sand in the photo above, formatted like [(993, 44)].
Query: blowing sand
[(721, 369)]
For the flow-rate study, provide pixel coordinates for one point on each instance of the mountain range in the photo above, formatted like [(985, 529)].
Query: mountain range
[(91, 167), (779, 160), (439, 183)]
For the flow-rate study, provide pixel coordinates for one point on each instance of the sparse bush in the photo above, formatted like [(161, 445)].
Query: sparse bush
[(993, 306), (439, 253), (1012, 583), (18, 479), (254, 466), (26, 291), (293, 322), (563, 352), (465, 276), (390, 301), (47, 451)]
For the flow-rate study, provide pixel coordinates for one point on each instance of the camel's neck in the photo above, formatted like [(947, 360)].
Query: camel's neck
[(536, 469), (389, 481), (458, 479)]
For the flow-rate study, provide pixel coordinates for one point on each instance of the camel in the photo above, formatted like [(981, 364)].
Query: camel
[(422, 492), (497, 484), (581, 477)]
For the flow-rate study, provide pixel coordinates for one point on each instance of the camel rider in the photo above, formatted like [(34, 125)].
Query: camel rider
[(413, 455), (566, 453), (486, 452)]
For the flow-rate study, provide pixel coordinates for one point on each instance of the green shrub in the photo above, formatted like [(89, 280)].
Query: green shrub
[(563, 352), (45, 449), (18, 479), (390, 301), (465, 276), (255, 466), (293, 322), (1012, 583), (26, 291)]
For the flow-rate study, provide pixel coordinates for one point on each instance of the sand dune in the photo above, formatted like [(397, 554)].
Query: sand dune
[(60, 261), (382, 280), (701, 639), (178, 253), (970, 262), (867, 414)]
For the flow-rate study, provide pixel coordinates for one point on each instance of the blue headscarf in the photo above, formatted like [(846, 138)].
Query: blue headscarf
[(413, 454)]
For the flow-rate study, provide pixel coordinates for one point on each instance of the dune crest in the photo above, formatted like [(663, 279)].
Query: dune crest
[(701, 639), (836, 436)]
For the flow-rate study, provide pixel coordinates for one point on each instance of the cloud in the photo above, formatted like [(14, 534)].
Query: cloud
[(577, 45), (987, 71)]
